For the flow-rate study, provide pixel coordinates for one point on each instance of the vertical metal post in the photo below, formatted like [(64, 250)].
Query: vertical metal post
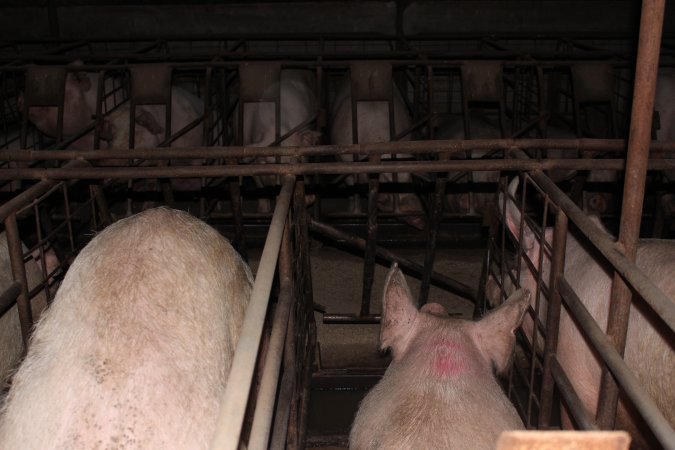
[(371, 243), (19, 274), (552, 319), (237, 213), (651, 26), (432, 231)]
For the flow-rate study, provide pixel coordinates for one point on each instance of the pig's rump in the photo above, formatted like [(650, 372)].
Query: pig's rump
[(136, 349)]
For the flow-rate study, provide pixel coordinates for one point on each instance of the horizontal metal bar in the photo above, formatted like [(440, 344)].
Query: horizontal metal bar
[(33, 192), (360, 243), (235, 398), (351, 319), (623, 374), (191, 171), (362, 150)]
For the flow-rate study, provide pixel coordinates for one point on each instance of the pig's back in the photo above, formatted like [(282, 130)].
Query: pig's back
[(649, 346), (136, 348), (468, 415)]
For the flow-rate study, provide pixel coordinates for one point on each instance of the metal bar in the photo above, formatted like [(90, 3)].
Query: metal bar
[(237, 213), (574, 404), (19, 274), (9, 296), (646, 288), (262, 420), (552, 318), (651, 26), (371, 242), (306, 382), (189, 171), (457, 287), (630, 384), (283, 410), (412, 147), (233, 404), (23, 199), (432, 233)]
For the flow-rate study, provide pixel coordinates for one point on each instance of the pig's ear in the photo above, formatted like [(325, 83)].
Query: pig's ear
[(398, 313), (513, 217), (495, 333), (435, 309)]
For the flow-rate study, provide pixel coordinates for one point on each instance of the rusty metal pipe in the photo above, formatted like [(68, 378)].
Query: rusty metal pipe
[(552, 319), (455, 286), (213, 171), (286, 391), (19, 273), (630, 384), (651, 27), (233, 404), (410, 147), (574, 404), (438, 199), (26, 197)]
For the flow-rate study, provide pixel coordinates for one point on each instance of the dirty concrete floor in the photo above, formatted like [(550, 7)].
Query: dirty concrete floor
[(337, 278)]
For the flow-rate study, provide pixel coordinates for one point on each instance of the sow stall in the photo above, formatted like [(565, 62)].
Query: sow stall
[(84, 190)]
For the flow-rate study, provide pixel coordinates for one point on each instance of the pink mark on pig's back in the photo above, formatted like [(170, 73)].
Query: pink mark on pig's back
[(449, 359)]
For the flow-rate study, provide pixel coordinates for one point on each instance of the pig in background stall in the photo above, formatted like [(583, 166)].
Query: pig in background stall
[(136, 348), (650, 348), (439, 390), (373, 126), (298, 105), (79, 112)]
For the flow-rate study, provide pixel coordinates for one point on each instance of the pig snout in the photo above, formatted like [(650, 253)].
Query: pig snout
[(136, 348), (440, 386)]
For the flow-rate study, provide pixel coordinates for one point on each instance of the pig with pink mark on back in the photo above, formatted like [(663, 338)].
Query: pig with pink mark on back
[(439, 390)]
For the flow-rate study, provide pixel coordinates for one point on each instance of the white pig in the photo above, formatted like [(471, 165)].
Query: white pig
[(593, 202), (136, 349), (298, 104), (439, 390), (373, 126), (649, 353), (79, 106)]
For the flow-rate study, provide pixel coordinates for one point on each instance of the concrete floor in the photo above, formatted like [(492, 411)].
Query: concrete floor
[(337, 278)]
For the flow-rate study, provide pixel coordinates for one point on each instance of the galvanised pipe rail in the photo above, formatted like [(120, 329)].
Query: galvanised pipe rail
[(235, 398)]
